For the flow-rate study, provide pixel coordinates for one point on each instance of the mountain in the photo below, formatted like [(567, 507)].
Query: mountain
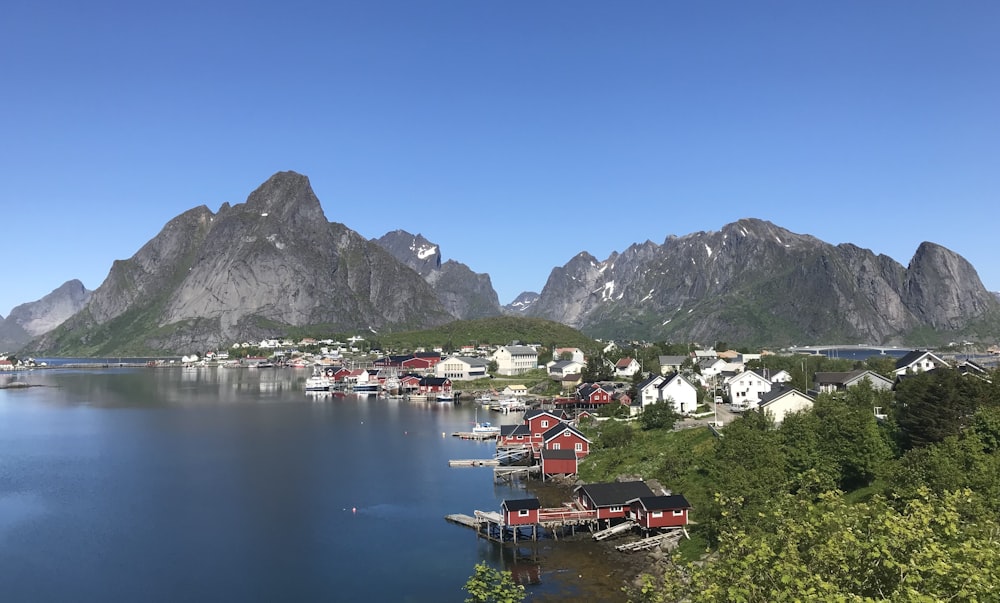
[(32, 319), (521, 303), (465, 294), (756, 283), (254, 270)]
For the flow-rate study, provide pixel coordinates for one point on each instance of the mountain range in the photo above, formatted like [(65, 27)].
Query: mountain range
[(275, 266)]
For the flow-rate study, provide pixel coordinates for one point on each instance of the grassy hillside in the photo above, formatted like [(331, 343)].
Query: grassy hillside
[(497, 330)]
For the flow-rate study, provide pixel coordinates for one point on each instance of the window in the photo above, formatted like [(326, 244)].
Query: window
[(545, 423), (656, 514), (578, 447), (617, 509), (678, 512), (523, 513), (566, 433), (555, 446)]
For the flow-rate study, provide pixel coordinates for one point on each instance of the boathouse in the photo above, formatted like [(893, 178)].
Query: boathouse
[(610, 500), (660, 511), (558, 462), (520, 511), (434, 385)]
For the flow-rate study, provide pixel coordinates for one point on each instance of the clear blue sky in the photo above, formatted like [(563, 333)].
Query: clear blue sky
[(514, 134)]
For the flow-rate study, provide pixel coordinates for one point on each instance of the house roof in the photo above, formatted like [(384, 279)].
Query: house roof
[(520, 350), (556, 431), (914, 356), (535, 412), (624, 362), (672, 360), (676, 377), (648, 381), (614, 493), (521, 504), (843, 378), (563, 454), (560, 365), (430, 381), (779, 392), (514, 430), (662, 503)]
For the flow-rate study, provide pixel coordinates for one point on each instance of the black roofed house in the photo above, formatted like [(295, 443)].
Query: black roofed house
[(566, 437), (610, 500), (520, 511), (840, 381), (669, 511), (918, 361), (515, 435)]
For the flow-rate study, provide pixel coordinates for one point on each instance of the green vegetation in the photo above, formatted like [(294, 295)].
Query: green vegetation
[(487, 585), (499, 330), (833, 504)]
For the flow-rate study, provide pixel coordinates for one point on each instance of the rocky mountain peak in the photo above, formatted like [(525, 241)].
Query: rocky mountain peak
[(31, 319), (288, 197), (413, 250)]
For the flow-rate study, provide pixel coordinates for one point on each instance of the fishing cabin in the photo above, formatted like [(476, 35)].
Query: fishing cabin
[(660, 511), (520, 511), (610, 500), (558, 462), (566, 437)]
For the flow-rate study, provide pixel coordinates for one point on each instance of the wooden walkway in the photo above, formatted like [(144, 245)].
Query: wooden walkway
[(473, 463), (670, 538)]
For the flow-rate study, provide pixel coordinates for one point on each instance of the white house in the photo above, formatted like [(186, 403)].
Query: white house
[(562, 368), (649, 392), (626, 367), (681, 393), (918, 361), (745, 389), (461, 368), (671, 364), (781, 376), (783, 401), (515, 359)]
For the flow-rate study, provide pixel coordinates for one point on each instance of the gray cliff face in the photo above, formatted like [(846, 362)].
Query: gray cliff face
[(464, 293), (943, 289), (521, 303), (32, 319), (252, 270), (754, 282)]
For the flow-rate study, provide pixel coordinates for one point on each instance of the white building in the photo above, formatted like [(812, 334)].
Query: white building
[(515, 359), (745, 390), (461, 368)]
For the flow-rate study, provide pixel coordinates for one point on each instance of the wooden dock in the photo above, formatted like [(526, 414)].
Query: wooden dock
[(471, 435), (473, 463), (509, 472), (668, 539)]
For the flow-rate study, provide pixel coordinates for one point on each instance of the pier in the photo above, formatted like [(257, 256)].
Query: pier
[(472, 435), (473, 463)]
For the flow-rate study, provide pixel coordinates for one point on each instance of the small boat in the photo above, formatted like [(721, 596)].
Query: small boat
[(445, 397), (485, 428)]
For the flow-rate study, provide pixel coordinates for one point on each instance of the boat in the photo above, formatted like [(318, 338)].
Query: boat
[(318, 382), (365, 388), (485, 428), (445, 397)]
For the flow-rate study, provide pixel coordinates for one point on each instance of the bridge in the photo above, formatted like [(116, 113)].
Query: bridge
[(848, 347)]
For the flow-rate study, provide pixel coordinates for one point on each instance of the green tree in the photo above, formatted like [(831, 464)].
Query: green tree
[(492, 367), (930, 549), (660, 415), (487, 585), (615, 434), (936, 404)]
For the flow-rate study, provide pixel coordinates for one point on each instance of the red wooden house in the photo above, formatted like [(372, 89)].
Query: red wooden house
[(514, 435), (558, 462), (409, 383), (434, 385), (520, 511), (418, 364), (660, 511), (540, 421), (592, 396), (610, 500), (566, 437)]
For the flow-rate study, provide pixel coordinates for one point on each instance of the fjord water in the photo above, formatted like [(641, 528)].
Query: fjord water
[(233, 485)]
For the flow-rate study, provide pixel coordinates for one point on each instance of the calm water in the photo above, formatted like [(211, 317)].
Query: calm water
[(233, 485)]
